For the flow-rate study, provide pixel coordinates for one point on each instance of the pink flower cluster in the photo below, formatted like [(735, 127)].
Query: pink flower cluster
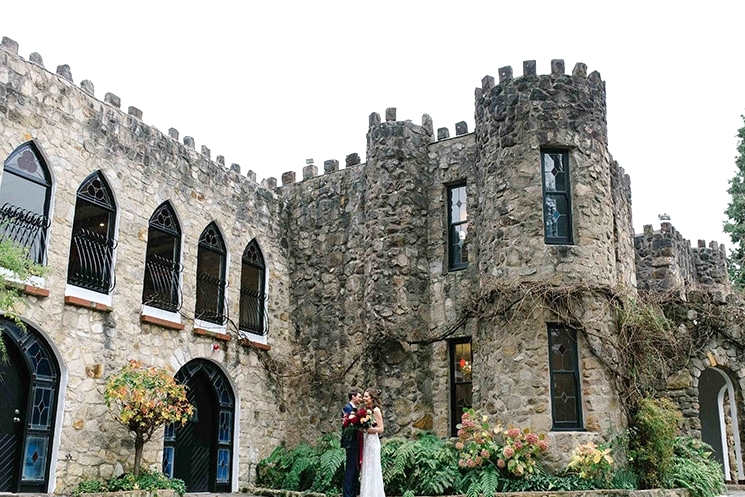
[(512, 450)]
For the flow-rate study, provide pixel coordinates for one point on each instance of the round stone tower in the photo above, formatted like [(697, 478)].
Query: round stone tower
[(395, 204), (544, 174)]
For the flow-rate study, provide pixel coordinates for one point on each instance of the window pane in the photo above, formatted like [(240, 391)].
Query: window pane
[(564, 398), (457, 227), (458, 204), (565, 381), (23, 193), (35, 458)]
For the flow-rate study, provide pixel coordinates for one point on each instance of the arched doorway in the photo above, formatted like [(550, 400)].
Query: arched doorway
[(719, 420), (201, 451), (28, 389)]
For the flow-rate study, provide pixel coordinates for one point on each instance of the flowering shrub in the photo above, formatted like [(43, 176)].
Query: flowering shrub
[(145, 399), (520, 451), (512, 450), (591, 462), (476, 444)]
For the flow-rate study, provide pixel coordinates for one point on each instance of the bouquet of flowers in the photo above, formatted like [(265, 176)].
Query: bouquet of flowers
[(361, 419)]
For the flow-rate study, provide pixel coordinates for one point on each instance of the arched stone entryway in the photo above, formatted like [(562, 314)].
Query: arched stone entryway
[(201, 451), (29, 390), (720, 420)]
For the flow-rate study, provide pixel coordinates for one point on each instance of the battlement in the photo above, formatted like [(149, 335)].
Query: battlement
[(64, 72), (529, 73), (665, 260)]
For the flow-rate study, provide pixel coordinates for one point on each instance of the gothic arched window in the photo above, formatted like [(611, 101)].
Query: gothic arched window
[(163, 260), (253, 277), (211, 267), (91, 264), (25, 196)]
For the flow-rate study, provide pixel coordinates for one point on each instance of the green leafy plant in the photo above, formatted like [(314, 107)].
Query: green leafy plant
[(591, 462), (654, 428), (424, 465), (17, 267), (693, 468), (145, 399), (147, 480), (315, 468)]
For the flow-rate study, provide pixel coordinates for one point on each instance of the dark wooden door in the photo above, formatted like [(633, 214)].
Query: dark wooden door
[(14, 384), (196, 441)]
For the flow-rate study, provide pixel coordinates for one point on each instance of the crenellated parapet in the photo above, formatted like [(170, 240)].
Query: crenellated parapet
[(115, 120), (666, 261)]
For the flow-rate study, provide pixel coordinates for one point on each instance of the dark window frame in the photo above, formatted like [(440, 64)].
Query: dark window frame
[(252, 261), (161, 286), (556, 195), (455, 228), (211, 243), (91, 259), (570, 339), (456, 410), (29, 228)]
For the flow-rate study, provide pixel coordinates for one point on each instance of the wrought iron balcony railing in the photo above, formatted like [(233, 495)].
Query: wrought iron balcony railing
[(91, 261), (162, 288), (26, 228), (252, 311), (210, 298)]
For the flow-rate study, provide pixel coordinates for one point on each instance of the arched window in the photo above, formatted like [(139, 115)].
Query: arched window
[(163, 260), (253, 276), (25, 196), (92, 248), (211, 265)]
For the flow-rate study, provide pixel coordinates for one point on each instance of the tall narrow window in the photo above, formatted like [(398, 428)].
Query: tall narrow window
[(461, 380), (457, 227), (162, 261), (566, 401), (24, 201), (252, 290), (93, 244), (557, 201), (211, 266)]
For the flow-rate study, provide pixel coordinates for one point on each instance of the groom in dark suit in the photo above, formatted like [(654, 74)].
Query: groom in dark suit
[(350, 442)]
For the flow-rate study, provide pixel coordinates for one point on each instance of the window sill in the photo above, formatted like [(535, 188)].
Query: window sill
[(28, 289), (163, 323), (213, 334), (250, 343), (88, 304)]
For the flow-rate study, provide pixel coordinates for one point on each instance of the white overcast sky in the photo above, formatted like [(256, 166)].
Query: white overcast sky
[(270, 84)]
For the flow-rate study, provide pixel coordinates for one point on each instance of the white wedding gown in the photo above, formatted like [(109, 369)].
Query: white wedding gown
[(371, 473)]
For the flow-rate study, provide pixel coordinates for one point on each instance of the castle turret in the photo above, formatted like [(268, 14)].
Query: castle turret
[(546, 181), (396, 291)]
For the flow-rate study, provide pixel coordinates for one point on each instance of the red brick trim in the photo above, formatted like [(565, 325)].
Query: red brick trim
[(249, 343), (28, 289), (214, 334), (35, 290), (88, 304), (163, 323)]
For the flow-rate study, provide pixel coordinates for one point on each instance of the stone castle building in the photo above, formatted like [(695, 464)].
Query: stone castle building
[(271, 301)]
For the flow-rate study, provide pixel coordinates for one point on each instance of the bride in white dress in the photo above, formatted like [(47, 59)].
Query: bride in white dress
[(371, 473)]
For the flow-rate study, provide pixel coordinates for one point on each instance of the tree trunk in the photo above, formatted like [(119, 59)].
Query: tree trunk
[(139, 444)]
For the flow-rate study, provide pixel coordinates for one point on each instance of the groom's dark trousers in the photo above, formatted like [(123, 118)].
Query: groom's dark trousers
[(351, 444)]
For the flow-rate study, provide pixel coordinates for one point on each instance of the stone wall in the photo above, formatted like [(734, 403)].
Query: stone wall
[(667, 261), (79, 135)]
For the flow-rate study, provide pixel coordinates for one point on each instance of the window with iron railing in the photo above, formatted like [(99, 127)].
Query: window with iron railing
[(91, 263), (211, 280), (253, 299), (25, 195), (161, 287)]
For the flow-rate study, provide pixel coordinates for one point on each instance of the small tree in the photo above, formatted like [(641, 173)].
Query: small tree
[(736, 214), (18, 267), (145, 399)]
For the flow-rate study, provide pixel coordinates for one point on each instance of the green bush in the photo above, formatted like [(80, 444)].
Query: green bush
[(148, 480), (652, 434), (318, 468), (694, 469)]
